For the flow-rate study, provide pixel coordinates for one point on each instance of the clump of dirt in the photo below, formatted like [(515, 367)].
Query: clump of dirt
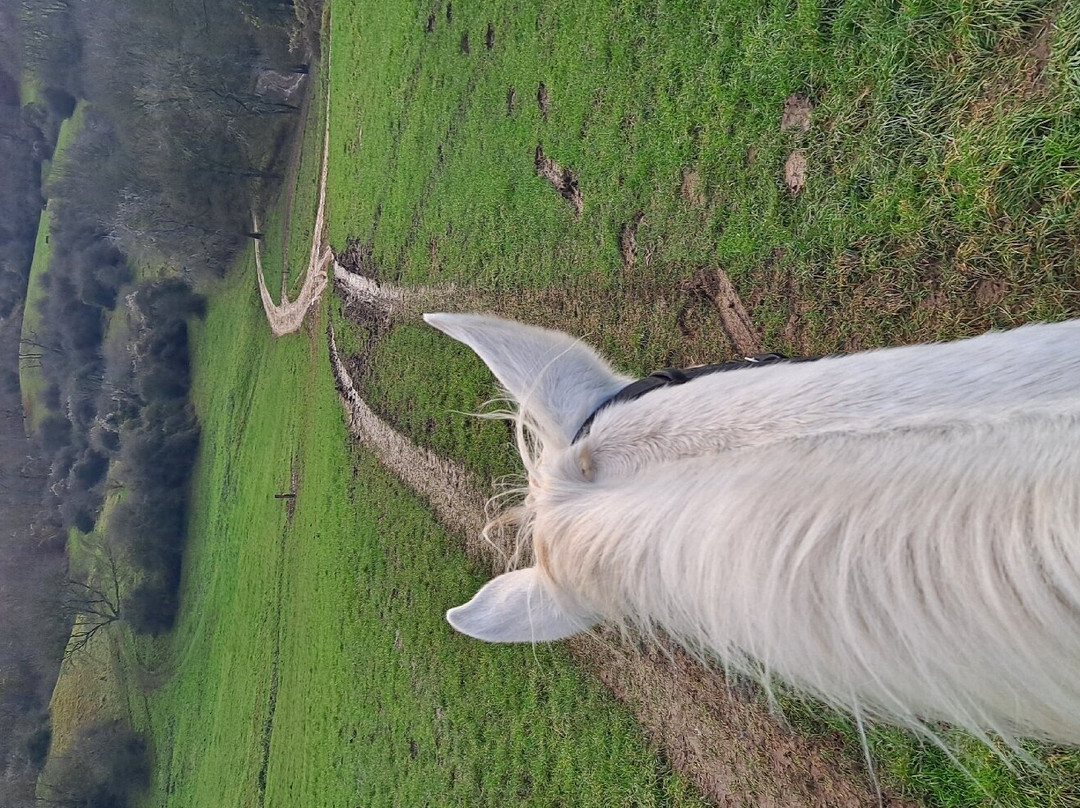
[(357, 258), (511, 99), (543, 100), (716, 286), (691, 189), (751, 156), (795, 172), (989, 292), (1039, 55), (489, 37), (562, 179), (797, 110), (465, 47), (628, 241)]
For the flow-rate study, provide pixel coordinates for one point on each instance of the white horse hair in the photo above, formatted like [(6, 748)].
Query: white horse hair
[(895, 532)]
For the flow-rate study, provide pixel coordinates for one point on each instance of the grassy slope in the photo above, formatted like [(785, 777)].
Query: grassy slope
[(319, 642), (942, 200), (31, 382), (936, 160)]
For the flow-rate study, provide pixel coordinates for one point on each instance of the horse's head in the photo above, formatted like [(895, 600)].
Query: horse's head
[(556, 383)]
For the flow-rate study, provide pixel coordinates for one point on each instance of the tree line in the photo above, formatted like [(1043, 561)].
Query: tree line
[(190, 110)]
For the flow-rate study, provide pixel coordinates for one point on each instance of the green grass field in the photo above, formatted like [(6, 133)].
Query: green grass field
[(31, 382), (311, 664), (941, 199)]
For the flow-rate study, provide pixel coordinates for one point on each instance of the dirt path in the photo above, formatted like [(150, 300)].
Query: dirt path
[(288, 316)]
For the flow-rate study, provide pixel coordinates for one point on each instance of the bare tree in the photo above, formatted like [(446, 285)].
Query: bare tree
[(90, 606)]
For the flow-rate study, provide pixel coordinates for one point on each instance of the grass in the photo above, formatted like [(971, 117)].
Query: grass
[(942, 199), (31, 381), (936, 160), (311, 664)]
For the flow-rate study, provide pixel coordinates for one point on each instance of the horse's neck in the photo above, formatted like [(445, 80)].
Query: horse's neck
[(1031, 372)]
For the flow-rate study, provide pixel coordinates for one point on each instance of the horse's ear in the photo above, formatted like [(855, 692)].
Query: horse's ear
[(516, 607), (555, 379)]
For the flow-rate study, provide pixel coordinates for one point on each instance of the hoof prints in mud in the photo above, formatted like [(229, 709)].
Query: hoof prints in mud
[(562, 179), (717, 287), (543, 100), (628, 241)]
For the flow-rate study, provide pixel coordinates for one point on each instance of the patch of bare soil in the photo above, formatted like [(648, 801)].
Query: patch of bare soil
[(628, 241), (450, 12), (466, 48), (429, 27), (561, 179), (989, 292), (795, 172), (489, 36), (717, 287), (691, 189), (357, 259), (511, 100), (1024, 79), (370, 302), (543, 100), (797, 111), (1039, 55)]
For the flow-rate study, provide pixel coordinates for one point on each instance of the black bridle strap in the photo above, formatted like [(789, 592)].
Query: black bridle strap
[(670, 377)]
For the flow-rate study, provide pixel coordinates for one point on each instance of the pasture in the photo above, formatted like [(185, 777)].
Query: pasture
[(311, 664), (30, 379)]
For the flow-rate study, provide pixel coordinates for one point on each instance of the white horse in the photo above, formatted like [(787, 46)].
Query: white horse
[(896, 532)]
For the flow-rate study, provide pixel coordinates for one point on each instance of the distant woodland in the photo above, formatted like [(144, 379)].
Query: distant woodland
[(189, 111)]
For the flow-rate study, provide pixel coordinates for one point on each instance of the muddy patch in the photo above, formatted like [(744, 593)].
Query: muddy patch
[(628, 241), (797, 112), (989, 292), (716, 286), (720, 734), (795, 173), (489, 36), (543, 100), (429, 27), (511, 99), (561, 179), (357, 259), (692, 189)]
